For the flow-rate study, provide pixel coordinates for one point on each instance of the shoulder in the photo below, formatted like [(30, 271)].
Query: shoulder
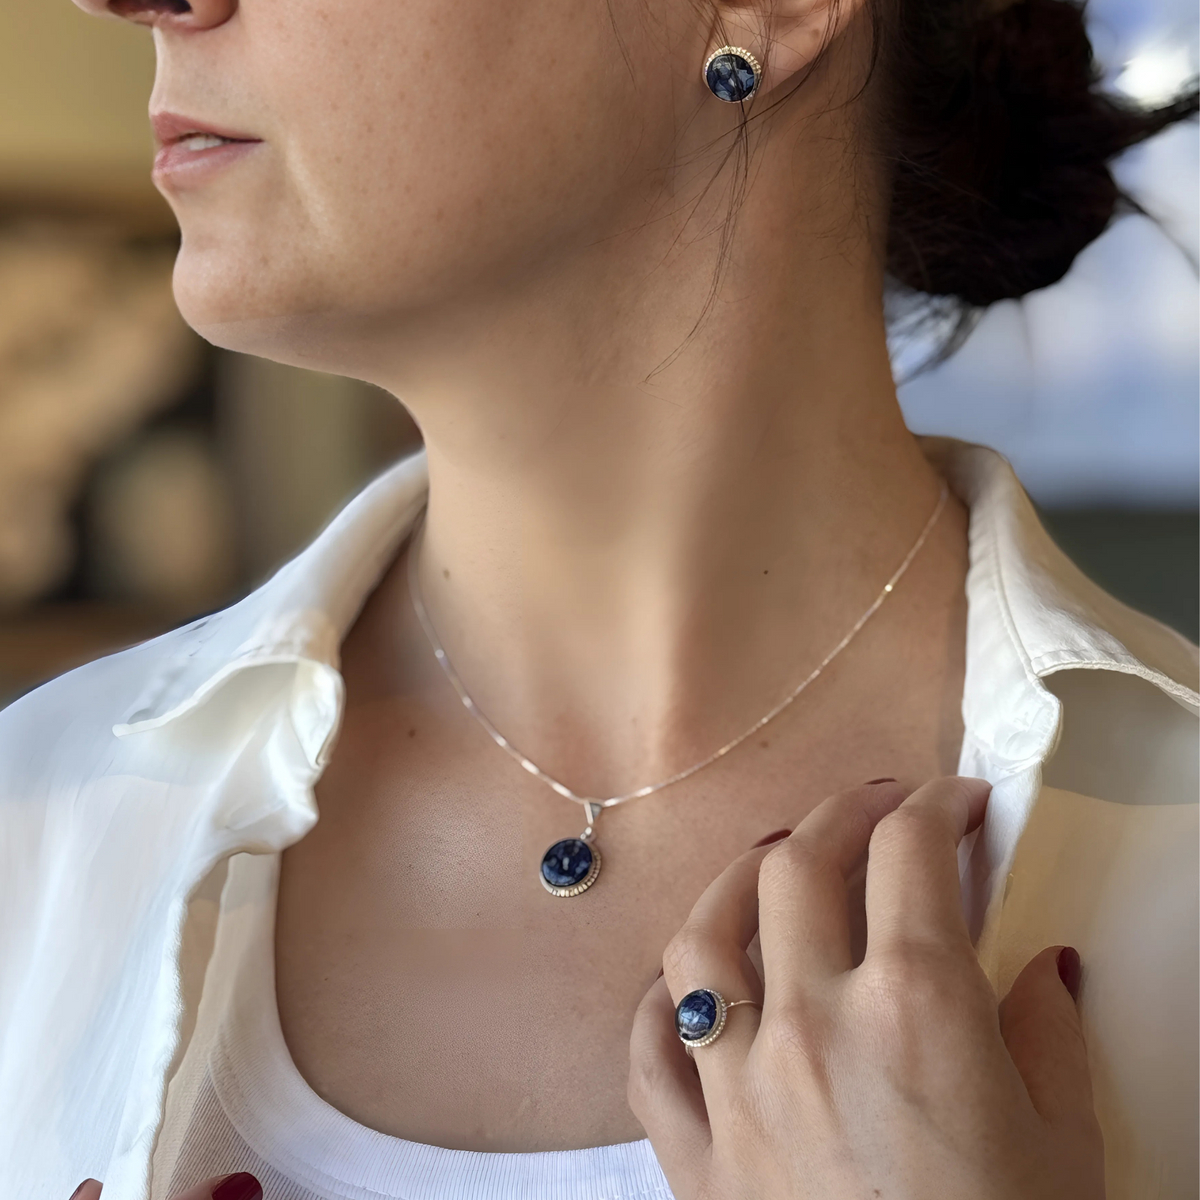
[(1124, 740), (124, 782), (101, 837), (1033, 614), (157, 730), (86, 815), (1083, 714), (174, 744), (63, 731)]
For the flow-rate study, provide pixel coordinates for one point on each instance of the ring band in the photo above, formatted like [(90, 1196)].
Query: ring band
[(700, 1016)]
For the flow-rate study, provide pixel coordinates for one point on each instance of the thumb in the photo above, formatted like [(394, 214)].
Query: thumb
[(1039, 1022)]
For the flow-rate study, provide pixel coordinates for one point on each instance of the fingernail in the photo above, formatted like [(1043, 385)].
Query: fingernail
[(1070, 969), (885, 779), (81, 1187), (242, 1186), (777, 836)]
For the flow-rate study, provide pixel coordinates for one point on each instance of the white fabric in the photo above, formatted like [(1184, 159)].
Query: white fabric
[(144, 800)]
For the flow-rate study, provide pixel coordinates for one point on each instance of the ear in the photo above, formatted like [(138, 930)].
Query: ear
[(786, 36)]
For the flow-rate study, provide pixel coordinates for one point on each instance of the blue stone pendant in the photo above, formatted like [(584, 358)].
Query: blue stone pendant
[(732, 74), (570, 867)]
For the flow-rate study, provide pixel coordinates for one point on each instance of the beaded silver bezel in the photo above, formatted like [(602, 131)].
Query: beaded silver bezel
[(744, 54), (575, 888), (718, 1026)]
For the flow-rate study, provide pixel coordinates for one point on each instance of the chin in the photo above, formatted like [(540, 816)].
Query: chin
[(254, 302)]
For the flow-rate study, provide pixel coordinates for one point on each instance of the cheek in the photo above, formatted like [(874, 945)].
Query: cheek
[(415, 150), (485, 136)]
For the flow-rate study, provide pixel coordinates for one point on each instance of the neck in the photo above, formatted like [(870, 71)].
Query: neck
[(629, 565)]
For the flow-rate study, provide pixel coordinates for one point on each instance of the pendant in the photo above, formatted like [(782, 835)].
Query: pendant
[(572, 865)]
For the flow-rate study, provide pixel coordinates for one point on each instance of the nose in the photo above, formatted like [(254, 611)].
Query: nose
[(178, 14)]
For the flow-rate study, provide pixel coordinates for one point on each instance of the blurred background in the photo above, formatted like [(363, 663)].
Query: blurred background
[(146, 478)]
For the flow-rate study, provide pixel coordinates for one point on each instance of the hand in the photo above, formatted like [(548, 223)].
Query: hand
[(896, 1078), (242, 1186)]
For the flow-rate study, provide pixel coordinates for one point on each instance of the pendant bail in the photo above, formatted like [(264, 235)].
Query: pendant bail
[(593, 811)]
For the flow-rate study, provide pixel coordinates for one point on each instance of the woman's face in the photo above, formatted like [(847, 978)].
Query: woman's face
[(409, 151)]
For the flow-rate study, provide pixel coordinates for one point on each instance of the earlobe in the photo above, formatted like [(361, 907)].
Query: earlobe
[(785, 36)]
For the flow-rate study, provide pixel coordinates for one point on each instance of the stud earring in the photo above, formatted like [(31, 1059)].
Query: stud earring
[(732, 74)]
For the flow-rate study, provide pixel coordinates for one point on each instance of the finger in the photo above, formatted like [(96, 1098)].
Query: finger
[(240, 1186), (913, 891), (665, 1092), (802, 889), (709, 951), (1039, 1021)]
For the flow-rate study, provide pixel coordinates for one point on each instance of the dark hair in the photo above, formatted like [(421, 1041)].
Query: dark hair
[(999, 139)]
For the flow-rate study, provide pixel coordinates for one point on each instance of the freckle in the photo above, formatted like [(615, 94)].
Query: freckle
[(412, 733), (766, 572), (764, 745), (446, 573)]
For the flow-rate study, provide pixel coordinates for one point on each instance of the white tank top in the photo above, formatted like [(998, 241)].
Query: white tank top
[(254, 1112)]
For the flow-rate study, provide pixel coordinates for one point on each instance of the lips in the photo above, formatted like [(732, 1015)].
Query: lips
[(172, 128), (190, 150)]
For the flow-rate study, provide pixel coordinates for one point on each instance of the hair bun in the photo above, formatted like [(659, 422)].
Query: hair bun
[(1003, 143)]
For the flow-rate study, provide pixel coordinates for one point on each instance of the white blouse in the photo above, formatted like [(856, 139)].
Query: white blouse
[(145, 800)]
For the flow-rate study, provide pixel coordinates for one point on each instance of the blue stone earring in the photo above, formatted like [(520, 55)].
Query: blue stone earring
[(732, 74)]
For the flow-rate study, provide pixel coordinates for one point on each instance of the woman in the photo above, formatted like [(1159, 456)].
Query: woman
[(624, 262)]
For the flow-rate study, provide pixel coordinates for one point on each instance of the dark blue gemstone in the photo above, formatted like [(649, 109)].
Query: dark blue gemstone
[(730, 77), (567, 863), (696, 1015)]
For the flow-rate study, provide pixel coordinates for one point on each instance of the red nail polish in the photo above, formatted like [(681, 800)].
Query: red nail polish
[(777, 836), (242, 1186), (1070, 969), (885, 779)]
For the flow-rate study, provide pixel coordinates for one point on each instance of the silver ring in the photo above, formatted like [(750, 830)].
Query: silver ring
[(700, 1016)]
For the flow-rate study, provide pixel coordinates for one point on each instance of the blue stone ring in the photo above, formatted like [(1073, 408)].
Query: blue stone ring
[(700, 1016), (732, 74)]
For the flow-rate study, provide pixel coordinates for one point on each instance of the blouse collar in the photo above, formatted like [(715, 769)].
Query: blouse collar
[(1031, 612)]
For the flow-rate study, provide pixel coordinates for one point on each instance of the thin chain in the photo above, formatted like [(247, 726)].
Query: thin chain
[(609, 801)]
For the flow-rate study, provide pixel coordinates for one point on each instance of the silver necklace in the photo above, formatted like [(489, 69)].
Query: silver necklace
[(571, 865)]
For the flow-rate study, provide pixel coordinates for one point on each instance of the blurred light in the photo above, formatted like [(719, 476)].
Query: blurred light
[(1156, 74)]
